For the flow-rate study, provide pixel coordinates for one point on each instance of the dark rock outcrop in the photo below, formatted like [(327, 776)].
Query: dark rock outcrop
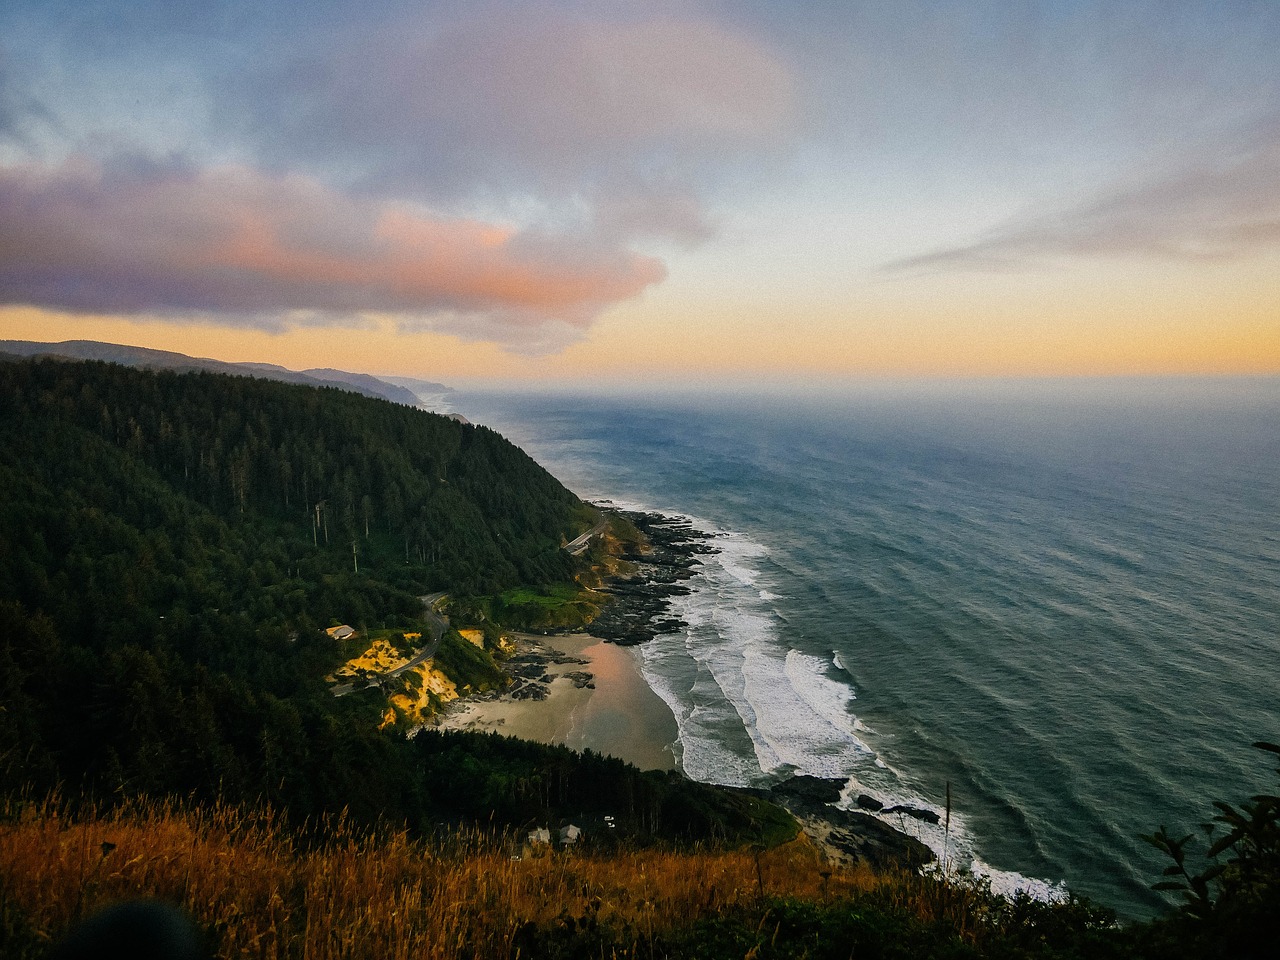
[(809, 793), (860, 837), (927, 816), (641, 604)]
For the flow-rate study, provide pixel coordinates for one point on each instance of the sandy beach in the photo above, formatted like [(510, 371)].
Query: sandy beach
[(581, 692)]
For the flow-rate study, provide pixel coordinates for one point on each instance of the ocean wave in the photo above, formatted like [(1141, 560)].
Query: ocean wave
[(1006, 883), (750, 709), (723, 674), (736, 552), (828, 697), (945, 833)]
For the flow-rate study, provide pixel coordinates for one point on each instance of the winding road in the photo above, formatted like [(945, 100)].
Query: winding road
[(437, 626)]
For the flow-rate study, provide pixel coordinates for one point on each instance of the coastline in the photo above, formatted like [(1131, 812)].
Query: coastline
[(578, 691), (587, 691), (584, 693)]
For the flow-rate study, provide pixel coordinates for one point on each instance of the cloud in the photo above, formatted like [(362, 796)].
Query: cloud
[(507, 102), (20, 110), (239, 246), (1221, 210), (489, 169)]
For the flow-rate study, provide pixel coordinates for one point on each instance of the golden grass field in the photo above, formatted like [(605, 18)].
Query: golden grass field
[(266, 894)]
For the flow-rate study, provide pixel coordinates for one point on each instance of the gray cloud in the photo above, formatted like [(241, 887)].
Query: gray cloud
[(536, 100), (486, 170), (1222, 209)]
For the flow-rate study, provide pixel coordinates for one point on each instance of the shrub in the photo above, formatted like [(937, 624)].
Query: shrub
[(1230, 892)]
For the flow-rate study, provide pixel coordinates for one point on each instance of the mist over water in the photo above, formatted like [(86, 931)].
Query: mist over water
[(1061, 598)]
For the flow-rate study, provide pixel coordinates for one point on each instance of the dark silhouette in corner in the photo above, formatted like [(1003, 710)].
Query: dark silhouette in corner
[(139, 929)]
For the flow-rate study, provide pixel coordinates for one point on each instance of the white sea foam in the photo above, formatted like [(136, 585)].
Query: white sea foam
[(950, 840), (699, 676), (1009, 884), (785, 706), (749, 709), (826, 695), (735, 556)]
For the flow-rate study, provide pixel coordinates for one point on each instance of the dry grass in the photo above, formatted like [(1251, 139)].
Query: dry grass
[(379, 657), (473, 637), (246, 877), (424, 688)]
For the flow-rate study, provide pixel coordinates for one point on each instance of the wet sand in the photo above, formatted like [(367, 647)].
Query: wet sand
[(617, 714)]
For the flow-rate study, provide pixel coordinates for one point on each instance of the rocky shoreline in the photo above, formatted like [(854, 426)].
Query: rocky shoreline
[(641, 607), (847, 837), (528, 671), (641, 610)]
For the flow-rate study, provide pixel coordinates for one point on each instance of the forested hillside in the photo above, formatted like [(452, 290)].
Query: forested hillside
[(171, 548), (457, 504)]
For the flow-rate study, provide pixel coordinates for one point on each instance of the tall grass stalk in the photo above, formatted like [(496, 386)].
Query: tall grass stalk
[(327, 890)]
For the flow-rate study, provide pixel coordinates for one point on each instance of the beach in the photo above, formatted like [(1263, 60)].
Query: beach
[(581, 692), (578, 691)]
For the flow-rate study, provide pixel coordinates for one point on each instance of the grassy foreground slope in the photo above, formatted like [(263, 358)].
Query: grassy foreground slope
[(254, 889), (254, 886)]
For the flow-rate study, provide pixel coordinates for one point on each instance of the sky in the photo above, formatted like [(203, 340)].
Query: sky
[(621, 192)]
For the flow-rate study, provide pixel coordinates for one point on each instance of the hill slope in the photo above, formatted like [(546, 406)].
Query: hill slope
[(173, 545), (149, 359)]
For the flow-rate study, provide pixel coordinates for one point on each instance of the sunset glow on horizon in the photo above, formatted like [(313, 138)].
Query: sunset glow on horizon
[(550, 192)]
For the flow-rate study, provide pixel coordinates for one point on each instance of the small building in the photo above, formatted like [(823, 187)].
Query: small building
[(540, 836), (341, 632), (570, 835)]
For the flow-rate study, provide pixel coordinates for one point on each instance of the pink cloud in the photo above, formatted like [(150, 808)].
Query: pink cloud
[(236, 244)]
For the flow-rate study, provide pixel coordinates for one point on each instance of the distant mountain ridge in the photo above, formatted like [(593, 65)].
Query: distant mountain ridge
[(423, 388), (401, 391)]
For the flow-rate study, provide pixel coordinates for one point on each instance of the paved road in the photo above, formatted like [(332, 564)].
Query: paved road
[(578, 544), (437, 625)]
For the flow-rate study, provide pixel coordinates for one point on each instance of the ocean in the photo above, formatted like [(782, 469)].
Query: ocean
[(1058, 600)]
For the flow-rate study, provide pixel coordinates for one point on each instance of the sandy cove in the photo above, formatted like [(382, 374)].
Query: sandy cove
[(578, 691)]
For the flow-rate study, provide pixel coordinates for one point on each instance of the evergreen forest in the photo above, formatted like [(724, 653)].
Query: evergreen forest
[(172, 547)]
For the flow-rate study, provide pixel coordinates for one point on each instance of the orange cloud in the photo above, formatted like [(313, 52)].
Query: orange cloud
[(249, 249)]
